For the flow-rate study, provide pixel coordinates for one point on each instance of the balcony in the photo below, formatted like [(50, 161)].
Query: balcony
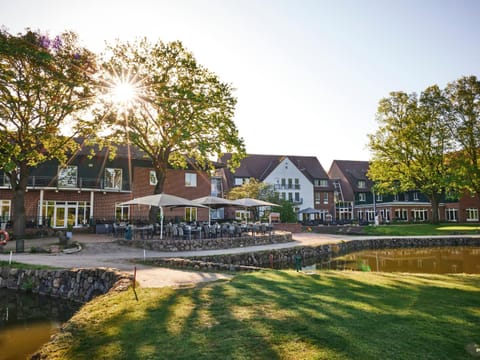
[(79, 183), (286, 187), (295, 201)]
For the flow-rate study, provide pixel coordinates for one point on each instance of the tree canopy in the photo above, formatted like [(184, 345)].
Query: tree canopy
[(410, 150), (179, 112), (44, 83), (464, 97)]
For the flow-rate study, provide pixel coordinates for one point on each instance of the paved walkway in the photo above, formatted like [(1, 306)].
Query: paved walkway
[(100, 251)]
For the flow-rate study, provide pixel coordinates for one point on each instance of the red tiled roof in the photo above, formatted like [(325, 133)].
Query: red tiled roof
[(260, 166)]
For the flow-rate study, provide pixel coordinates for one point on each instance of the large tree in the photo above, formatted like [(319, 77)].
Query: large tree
[(44, 82), (410, 149), (464, 97), (178, 111)]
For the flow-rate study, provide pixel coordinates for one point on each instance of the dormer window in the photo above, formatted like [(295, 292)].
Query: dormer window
[(67, 176), (361, 184), (239, 181), (321, 182)]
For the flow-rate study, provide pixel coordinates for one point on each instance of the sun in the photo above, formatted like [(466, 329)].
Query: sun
[(123, 92)]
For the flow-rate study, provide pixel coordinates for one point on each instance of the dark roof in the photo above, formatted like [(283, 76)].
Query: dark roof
[(353, 171), (125, 151), (260, 166)]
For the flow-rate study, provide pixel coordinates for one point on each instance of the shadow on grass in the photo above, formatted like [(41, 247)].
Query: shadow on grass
[(287, 315)]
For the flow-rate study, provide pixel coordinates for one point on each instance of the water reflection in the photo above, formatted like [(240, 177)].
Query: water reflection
[(437, 260), (27, 321)]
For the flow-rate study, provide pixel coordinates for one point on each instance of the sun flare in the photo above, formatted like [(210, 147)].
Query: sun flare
[(123, 92)]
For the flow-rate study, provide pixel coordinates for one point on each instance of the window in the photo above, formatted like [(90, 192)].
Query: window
[(121, 212), (362, 197), (317, 198), (415, 196), (190, 214), (379, 197), (290, 183), (242, 215), (419, 214), (190, 179), (216, 188), (113, 178), (325, 197), (297, 197), (283, 196), (284, 183), (395, 197), (5, 210), (290, 196), (59, 214), (6, 178), (297, 184), (67, 176), (451, 214), (240, 181), (401, 214), (472, 214), (361, 184), (406, 196), (153, 177), (320, 182)]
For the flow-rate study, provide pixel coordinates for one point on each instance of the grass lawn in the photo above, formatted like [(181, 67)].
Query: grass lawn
[(421, 229), (16, 265), (283, 315)]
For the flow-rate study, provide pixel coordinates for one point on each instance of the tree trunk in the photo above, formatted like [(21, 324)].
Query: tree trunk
[(161, 173), (435, 201), (19, 183)]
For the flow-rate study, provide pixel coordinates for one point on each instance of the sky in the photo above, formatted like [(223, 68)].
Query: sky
[(308, 74)]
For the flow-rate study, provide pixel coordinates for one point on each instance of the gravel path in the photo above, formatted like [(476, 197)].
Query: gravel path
[(101, 251)]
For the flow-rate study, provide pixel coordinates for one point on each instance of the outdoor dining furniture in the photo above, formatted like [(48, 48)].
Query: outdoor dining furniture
[(145, 232)]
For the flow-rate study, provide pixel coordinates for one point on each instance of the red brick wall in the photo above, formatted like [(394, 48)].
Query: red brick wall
[(104, 202)]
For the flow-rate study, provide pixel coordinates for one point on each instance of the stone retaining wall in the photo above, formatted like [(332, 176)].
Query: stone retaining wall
[(285, 258), (79, 285), (173, 245)]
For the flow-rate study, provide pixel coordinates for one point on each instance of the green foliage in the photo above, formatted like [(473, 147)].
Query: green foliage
[(44, 83), (464, 97), (287, 213), (430, 143), (410, 149), (253, 189), (181, 113)]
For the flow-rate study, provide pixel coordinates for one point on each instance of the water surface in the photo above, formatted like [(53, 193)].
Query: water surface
[(27, 321), (435, 260)]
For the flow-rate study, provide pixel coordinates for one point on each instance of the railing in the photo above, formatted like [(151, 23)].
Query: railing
[(286, 187), (80, 183)]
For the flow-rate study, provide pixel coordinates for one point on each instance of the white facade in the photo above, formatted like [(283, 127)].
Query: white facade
[(291, 184)]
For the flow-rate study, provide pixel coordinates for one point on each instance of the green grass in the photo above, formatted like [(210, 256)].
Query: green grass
[(283, 315), (17, 265), (420, 229)]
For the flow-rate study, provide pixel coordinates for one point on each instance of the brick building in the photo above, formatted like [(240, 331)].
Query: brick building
[(91, 189)]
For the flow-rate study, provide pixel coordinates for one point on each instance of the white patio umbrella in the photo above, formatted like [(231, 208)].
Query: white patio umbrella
[(214, 202), (250, 203), (163, 200)]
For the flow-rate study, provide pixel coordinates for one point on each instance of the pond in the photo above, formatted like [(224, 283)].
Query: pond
[(435, 260), (27, 321)]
